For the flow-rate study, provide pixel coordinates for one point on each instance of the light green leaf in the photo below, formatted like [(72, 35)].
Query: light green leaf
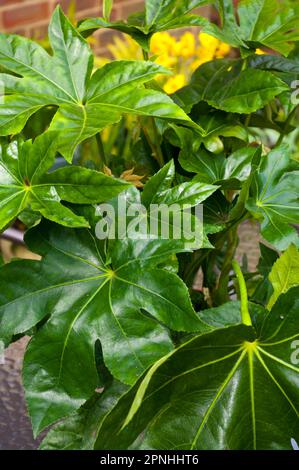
[(107, 8), (257, 23), (24, 183), (159, 15), (284, 274), (86, 103), (274, 197)]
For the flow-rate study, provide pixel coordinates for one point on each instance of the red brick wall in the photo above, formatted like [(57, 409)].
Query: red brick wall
[(27, 16), (31, 17)]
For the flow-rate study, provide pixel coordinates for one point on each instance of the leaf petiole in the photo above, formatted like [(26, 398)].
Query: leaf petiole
[(246, 319)]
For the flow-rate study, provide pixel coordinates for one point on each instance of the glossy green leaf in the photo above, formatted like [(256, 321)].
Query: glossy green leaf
[(217, 169), (79, 431), (158, 183), (85, 298), (213, 392), (87, 102), (25, 183), (284, 274), (159, 194), (224, 85), (274, 62), (274, 197), (159, 15), (269, 23)]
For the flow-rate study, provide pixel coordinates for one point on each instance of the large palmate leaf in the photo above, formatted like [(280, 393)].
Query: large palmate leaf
[(284, 273), (86, 299), (224, 85), (159, 15), (233, 388), (24, 182), (274, 197), (217, 169), (87, 103), (269, 23)]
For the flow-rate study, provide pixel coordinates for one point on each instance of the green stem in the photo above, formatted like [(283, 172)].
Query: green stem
[(101, 150), (145, 55), (246, 319), (221, 294), (247, 120)]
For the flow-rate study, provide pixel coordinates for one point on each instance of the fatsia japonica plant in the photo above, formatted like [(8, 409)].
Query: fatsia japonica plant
[(126, 351)]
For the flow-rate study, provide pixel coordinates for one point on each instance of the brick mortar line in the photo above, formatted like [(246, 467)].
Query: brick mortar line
[(15, 6), (36, 24), (52, 3)]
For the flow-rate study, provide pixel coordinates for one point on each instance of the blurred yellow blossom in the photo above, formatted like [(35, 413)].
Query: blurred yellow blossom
[(260, 52), (208, 42), (166, 61), (162, 43), (187, 45), (222, 50), (173, 84), (182, 54)]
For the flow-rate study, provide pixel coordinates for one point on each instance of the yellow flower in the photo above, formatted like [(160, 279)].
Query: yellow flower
[(260, 52), (166, 61), (175, 83), (196, 63), (186, 46), (223, 50), (162, 43), (209, 42), (205, 54)]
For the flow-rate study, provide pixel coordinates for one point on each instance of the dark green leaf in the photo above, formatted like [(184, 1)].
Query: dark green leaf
[(79, 431), (224, 85), (87, 299), (217, 169), (213, 392)]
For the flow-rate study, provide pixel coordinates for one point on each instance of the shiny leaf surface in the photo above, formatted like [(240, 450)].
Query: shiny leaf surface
[(214, 391), (84, 299), (275, 197), (87, 102), (25, 183)]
